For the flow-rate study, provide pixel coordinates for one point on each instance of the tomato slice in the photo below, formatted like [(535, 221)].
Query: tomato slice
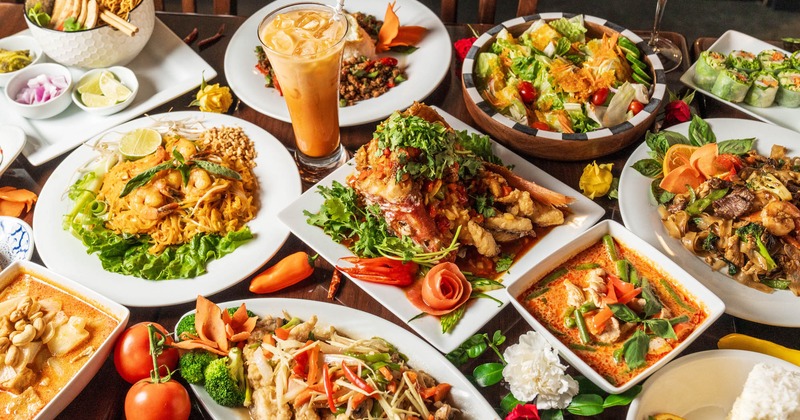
[(635, 107), (526, 91), (599, 97), (540, 125)]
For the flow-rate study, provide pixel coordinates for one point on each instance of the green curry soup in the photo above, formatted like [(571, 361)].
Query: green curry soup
[(618, 312)]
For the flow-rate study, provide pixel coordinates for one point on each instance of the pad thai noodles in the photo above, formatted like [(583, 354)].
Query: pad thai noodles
[(300, 370), (191, 197)]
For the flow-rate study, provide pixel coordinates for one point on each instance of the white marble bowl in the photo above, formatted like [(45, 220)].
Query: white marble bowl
[(102, 46)]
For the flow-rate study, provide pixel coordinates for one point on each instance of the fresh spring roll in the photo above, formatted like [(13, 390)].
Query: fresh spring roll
[(788, 89), (732, 85), (762, 93), (773, 60), (708, 67), (743, 61)]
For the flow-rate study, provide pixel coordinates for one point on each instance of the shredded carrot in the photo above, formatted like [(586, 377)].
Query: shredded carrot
[(393, 35)]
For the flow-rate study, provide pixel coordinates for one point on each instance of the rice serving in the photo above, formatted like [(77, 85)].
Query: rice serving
[(770, 393)]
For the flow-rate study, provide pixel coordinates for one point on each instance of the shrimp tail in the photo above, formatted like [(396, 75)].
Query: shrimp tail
[(539, 193)]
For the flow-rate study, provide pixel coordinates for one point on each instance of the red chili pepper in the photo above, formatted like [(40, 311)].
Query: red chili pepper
[(388, 61), (381, 270), (356, 380), (301, 364), (328, 384)]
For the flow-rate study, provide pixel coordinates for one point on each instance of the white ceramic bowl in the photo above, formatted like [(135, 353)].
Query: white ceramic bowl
[(46, 109), (701, 385), (124, 75), (75, 385), (712, 305), (16, 240), (16, 43), (102, 46)]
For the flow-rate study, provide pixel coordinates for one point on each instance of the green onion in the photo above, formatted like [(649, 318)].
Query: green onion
[(608, 241), (622, 270)]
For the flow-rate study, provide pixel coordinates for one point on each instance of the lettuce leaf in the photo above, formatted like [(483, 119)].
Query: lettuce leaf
[(571, 28)]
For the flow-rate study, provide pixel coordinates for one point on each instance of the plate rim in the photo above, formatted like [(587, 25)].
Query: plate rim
[(347, 121), (427, 327), (712, 282), (172, 292), (405, 339)]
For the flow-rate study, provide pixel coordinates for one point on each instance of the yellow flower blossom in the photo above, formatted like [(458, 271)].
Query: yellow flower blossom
[(213, 98), (596, 179)]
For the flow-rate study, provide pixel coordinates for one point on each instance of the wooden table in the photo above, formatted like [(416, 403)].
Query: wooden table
[(104, 395)]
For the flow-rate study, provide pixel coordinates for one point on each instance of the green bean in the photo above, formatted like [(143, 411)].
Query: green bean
[(622, 270), (608, 241), (582, 347), (583, 331), (552, 277), (587, 307), (676, 297), (569, 320), (634, 277), (586, 266), (536, 293)]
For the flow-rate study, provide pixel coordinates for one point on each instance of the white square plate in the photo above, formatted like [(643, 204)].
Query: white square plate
[(166, 68), (584, 213), (707, 300), (775, 114)]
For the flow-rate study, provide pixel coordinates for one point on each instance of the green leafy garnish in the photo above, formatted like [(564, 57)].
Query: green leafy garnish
[(504, 263)]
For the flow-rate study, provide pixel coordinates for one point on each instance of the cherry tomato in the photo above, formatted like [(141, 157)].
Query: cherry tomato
[(388, 61), (157, 401), (526, 91), (635, 107), (132, 353), (599, 97), (540, 125)]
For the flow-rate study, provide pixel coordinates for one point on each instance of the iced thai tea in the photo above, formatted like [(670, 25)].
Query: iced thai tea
[(304, 45)]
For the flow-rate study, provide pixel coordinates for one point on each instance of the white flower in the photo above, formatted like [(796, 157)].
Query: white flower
[(534, 369)]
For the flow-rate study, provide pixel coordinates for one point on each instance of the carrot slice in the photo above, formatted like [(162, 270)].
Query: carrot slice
[(704, 160), (597, 323), (611, 293), (442, 290), (11, 208), (677, 180), (628, 296), (18, 195), (393, 35)]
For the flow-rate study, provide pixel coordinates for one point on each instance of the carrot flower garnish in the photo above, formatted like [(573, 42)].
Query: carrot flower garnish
[(394, 35)]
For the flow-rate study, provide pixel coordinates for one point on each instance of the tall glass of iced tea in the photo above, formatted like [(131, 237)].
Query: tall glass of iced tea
[(304, 44)]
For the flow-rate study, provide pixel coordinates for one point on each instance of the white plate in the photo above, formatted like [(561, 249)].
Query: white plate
[(733, 40), (425, 67), (584, 214), (12, 139), (638, 208), (358, 324), (700, 385), (279, 183), (166, 68)]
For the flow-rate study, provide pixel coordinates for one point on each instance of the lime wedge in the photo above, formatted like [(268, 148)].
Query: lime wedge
[(91, 84), (93, 100), (112, 88), (139, 143)]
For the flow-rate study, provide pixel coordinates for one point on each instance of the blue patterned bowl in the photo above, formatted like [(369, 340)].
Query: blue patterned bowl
[(16, 241)]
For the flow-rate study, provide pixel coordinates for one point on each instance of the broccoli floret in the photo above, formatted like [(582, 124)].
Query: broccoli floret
[(225, 381), (755, 230), (187, 323), (193, 365)]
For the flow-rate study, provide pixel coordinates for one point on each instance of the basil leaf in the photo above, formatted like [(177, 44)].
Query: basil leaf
[(735, 146), (660, 327), (552, 414), (659, 194), (488, 374), (143, 178), (218, 169), (624, 313), (498, 338), (586, 405), (178, 156), (613, 190), (650, 168), (635, 349), (508, 403), (624, 398), (674, 138), (700, 132), (449, 321)]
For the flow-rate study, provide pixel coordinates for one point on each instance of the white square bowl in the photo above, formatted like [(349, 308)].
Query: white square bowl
[(713, 306), (82, 377)]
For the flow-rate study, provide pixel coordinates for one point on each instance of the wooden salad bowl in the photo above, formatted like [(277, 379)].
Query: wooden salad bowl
[(550, 144)]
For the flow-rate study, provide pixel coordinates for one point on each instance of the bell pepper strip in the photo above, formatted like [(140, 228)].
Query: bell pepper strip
[(629, 296), (437, 393), (328, 384), (282, 333), (381, 270), (313, 365), (356, 380)]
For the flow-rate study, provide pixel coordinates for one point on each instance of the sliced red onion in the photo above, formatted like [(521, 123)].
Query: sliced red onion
[(41, 89)]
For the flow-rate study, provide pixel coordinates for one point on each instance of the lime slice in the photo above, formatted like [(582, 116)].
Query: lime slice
[(139, 143), (90, 84), (112, 88), (93, 100)]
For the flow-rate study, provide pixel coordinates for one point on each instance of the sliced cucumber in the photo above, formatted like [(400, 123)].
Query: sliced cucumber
[(642, 72), (628, 45), (638, 79), (636, 61)]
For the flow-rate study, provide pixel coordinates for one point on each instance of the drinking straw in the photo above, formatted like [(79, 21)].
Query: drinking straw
[(339, 7)]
